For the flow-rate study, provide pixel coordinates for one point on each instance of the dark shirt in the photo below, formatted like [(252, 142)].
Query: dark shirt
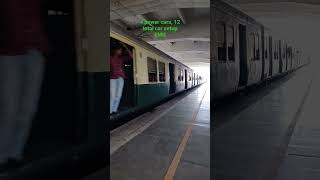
[(117, 66), (21, 27)]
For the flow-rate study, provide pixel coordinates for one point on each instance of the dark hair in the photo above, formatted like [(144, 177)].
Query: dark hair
[(114, 48)]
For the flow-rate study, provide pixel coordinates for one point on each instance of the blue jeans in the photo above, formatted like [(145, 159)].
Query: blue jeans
[(116, 87), (20, 83)]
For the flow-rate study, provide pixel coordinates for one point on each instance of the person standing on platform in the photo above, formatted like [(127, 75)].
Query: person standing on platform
[(117, 75), (22, 42)]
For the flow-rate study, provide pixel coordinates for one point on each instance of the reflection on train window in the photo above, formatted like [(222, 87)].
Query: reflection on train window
[(230, 39), (162, 72), (221, 42), (256, 47), (251, 46), (152, 70), (284, 53)]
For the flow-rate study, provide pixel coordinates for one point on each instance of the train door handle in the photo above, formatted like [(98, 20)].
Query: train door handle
[(126, 65)]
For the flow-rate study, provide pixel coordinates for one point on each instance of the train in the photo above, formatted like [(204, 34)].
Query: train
[(152, 75), (244, 52)]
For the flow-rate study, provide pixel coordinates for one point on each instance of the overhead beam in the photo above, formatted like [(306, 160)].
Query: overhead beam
[(120, 23), (181, 15)]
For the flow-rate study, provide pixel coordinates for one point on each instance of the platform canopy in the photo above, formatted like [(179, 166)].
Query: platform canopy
[(190, 44)]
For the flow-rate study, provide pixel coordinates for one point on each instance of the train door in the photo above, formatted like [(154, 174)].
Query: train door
[(172, 87), (291, 59), (185, 79), (263, 43), (55, 122), (286, 55), (127, 99), (270, 57), (243, 55), (280, 55), (197, 79), (194, 79)]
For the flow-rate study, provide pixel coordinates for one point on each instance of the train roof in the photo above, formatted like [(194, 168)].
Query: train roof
[(116, 28), (227, 8)]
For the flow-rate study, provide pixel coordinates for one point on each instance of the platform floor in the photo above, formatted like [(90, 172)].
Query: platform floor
[(258, 141), (172, 142), (302, 159)]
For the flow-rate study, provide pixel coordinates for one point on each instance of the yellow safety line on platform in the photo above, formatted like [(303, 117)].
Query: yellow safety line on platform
[(176, 160)]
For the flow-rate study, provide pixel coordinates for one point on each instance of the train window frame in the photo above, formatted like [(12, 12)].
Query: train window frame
[(221, 45), (162, 75), (231, 49), (155, 79)]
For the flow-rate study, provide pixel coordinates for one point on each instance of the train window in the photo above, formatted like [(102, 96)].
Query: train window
[(290, 52), (256, 47), (221, 41), (266, 47), (278, 52), (230, 39), (162, 72), (181, 72), (284, 52), (275, 50), (180, 76), (152, 69), (251, 46)]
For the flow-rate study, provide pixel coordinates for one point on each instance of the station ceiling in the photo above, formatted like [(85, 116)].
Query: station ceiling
[(297, 21), (190, 44)]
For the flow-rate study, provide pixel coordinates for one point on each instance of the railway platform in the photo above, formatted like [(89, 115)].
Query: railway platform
[(259, 138), (302, 160), (171, 142)]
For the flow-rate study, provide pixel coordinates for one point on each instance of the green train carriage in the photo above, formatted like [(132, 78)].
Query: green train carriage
[(152, 76)]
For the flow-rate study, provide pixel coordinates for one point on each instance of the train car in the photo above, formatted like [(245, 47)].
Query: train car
[(276, 57), (237, 57), (289, 57), (245, 52), (284, 56), (266, 58), (152, 75)]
